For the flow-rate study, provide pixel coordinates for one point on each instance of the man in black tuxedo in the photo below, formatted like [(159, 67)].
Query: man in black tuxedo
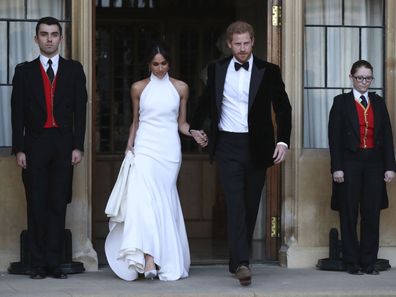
[(238, 96), (48, 106), (362, 160)]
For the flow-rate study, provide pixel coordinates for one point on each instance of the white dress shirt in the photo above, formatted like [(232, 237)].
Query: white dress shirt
[(235, 103), (55, 62)]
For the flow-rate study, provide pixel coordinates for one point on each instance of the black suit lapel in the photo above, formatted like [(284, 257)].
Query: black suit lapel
[(38, 84), (221, 71), (255, 81), (352, 113), (376, 112), (60, 74)]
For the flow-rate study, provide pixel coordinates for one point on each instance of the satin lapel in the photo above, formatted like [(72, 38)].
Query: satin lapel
[(38, 84), (60, 75), (352, 112), (255, 82), (221, 71), (376, 112)]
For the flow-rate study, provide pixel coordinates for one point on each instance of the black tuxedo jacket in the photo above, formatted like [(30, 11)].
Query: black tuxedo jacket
[(29, 108), (266, 89), (344, 135)]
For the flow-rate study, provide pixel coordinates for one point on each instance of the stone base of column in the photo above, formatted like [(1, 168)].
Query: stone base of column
[(68, 266)]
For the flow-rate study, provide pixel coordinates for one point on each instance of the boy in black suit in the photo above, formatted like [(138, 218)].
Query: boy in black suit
[(362, 161), (48, 105)]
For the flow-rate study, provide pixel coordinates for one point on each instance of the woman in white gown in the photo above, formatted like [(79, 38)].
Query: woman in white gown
[(147, 232)]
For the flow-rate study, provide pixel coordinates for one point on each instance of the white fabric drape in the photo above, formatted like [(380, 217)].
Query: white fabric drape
[(40, 8), (329, 53), (5, 112)]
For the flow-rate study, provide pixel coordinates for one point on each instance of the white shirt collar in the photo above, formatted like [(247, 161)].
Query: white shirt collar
[(357, 94), (54, 59)]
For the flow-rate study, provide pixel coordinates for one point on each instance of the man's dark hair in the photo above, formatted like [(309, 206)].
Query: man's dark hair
[(239, 27), (48, 21), (361, 63), (158, 47)]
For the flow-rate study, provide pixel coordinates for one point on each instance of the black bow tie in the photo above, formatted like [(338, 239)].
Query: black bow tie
[(244, 65)]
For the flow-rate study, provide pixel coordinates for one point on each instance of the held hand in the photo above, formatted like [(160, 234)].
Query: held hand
[(389, 175), (76, 157), (338, 176), (128, 148), (21, 160), (200, 137), (279, 153)]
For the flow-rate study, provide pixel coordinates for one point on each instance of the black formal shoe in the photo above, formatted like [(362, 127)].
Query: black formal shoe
[(58, 273), (354, 269), (38, 273), (370, 270), (243, 275)]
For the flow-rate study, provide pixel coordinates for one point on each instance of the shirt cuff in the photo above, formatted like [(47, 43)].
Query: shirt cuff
[(283, 143)]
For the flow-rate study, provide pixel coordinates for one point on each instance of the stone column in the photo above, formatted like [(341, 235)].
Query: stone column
[(79, 214)]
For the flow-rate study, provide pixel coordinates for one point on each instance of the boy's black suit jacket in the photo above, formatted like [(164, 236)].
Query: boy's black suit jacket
[(344, 136), (29, 108)]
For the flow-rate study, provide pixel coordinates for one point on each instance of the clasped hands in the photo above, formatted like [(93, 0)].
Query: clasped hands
[(200, 137), (76, 158), (338, 176)]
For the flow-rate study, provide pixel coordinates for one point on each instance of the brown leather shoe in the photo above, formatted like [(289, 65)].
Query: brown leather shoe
[(243, 274)]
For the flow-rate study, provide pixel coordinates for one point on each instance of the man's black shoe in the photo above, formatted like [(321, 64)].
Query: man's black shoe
[(58, 273), (38, 273), (370, 270), (354, 269)]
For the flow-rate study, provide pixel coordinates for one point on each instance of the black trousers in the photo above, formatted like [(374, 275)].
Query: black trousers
[(362, 190), (47, 180), (242, 185)]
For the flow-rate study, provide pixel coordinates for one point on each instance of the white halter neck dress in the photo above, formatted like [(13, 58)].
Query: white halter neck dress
[(147, 217)]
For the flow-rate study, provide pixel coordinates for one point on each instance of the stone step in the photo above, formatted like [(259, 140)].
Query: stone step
[(207, 281)]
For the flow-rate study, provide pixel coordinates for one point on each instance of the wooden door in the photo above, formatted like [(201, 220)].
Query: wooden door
[(273, 182)]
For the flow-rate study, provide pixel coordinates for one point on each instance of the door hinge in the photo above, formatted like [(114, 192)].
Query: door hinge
[(275, 227), (276, 15)]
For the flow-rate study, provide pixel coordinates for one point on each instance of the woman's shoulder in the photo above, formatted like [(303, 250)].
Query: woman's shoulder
[(180, 86), (138, 86)]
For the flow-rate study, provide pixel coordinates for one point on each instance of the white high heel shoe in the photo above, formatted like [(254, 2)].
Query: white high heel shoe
[(150, 274), (150, 270)]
